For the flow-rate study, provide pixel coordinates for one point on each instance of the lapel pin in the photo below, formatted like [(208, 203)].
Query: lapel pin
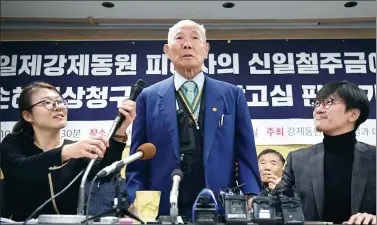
[(214, 109)]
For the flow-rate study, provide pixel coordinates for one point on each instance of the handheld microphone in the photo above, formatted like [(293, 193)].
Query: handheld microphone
[(144, 152), (176, 176), (139, 86), (136, 90)]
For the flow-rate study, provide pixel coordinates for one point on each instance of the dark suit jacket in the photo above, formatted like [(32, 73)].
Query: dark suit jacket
[(156, 123), (305, 171)]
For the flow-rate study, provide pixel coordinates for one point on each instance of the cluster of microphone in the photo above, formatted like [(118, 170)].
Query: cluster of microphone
[(272, 208)]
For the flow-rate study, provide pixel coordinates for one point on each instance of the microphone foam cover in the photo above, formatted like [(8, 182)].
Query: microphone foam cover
[(177, 172), (148, 149), (140, 82)]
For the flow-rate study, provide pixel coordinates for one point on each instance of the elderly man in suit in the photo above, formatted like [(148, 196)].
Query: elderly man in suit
[(336, 179), (197, 123)]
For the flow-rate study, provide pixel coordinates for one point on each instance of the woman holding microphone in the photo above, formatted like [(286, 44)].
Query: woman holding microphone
[(37, 163)]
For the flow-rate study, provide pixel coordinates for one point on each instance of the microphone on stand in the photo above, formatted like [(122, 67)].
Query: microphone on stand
[(120, 209), (176, 176), (139, 86), (173, 218), (144, 152)]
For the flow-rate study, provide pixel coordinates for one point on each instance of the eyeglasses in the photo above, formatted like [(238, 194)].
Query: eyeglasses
[(328, 102), (51, 104)]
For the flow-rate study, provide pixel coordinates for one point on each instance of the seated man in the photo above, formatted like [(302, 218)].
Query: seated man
[(336, 179), (271, 164)]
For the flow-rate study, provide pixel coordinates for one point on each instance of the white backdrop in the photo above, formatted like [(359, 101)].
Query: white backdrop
[(266, 132)]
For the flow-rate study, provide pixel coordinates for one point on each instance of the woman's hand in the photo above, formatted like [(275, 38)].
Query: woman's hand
[(92, 148), (128, 109)]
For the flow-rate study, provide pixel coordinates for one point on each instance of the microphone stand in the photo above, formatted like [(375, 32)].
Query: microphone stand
[(135, 91), (173, 210), (81, 202), (120, 208), (76, 219), (174, 217)]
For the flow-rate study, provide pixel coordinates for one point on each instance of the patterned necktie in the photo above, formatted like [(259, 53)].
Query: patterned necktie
[(190, 92)]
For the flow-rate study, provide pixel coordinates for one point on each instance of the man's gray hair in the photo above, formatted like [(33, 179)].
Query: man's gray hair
[(182, 23)]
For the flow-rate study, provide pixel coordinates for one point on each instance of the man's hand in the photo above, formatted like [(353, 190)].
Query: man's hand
[(273, 180), (361, 218)]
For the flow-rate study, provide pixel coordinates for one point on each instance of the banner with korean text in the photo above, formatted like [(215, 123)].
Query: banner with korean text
[(280, 79)]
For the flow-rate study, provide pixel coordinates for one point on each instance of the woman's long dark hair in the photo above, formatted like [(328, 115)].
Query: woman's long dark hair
[(24, 103)]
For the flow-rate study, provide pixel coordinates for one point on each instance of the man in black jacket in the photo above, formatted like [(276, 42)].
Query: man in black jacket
[(336, 179)]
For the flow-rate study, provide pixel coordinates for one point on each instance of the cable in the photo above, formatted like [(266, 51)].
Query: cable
[(284, 191), (290, 203), (88, 200), (50, 199)]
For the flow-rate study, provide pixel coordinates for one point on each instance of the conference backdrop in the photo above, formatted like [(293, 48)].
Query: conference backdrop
[(280, 79)]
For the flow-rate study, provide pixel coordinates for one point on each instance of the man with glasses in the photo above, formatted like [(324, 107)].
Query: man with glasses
[(336, 179)]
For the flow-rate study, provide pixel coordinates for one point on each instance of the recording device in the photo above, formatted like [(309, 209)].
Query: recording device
[(144, 152), (205, 208), (278, 207), (176, 176), (264, 210), (292, 211), (139, 86), (235, 205)]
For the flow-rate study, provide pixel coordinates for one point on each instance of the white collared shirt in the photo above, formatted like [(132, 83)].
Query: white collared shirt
[(179, 80)]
